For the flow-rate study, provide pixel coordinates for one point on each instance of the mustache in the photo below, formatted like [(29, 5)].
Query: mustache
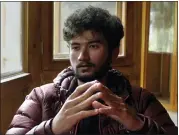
[(86, 64)]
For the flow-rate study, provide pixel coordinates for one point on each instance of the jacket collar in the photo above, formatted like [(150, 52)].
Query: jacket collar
[(66, 83)]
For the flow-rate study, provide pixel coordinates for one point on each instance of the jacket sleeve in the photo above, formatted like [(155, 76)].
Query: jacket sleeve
[(28, 118), (155, 117)]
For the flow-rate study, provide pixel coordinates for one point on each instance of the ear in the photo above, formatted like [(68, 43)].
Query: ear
[(115, 54)]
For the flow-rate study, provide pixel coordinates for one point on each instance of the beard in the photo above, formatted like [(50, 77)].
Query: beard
[(97, 75)]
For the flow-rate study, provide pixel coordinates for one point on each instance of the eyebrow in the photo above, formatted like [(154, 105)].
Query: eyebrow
[(74, 43), (94, 41), (90, 42)]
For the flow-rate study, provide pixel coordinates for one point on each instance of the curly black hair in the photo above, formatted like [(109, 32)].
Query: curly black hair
[(96, 19)]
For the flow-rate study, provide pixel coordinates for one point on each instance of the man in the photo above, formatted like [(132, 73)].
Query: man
[(90, 97)]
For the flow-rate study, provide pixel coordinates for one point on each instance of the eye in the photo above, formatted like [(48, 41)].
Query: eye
[(94, 46), (76, 48)]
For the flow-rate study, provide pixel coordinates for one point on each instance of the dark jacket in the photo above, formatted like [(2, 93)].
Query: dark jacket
[(36, 113)]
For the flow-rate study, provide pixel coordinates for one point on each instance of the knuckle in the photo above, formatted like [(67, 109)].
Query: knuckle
[(68, 103), (99, 85), (79, 87), (101, 95), (82, 113), (88, 101), (83, 96), (66, 112)]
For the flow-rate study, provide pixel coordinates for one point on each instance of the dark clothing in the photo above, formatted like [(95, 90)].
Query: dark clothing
[(89, 126), (39, 108)]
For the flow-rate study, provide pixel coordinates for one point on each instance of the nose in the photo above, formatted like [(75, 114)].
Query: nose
[(84, 55)]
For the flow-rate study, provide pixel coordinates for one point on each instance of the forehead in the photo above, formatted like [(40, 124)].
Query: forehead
[(87, 36)]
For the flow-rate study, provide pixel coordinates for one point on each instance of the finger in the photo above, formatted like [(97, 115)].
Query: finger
[(70, 103), (88, 93), (80, 89), (103, 88), (106, 94), (98, 105), (119, 108), (106, 110), (111, 99), (109, 111), (96, 87), (84, 105), (84, 114), (117, 101), (107, 98)]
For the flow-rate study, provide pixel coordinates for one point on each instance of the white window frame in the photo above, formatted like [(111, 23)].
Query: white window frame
[(121, 10)]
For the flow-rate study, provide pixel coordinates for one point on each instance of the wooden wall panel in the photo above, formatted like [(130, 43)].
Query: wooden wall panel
[(153, 72), (12, 95), (158, 74), (166, 75), (13, 92), (34, 43)]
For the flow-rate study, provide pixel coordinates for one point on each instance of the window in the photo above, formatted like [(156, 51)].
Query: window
[(63, 9), (54, 59), (11, 38), (16, 34), (159, 51), (161, 27)]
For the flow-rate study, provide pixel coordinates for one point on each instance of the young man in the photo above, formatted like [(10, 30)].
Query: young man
[(90, 97)]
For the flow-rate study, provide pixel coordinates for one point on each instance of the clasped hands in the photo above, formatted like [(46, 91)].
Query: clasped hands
[(78, 103)]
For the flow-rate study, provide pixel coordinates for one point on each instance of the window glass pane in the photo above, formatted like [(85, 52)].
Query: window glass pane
[(68, 8), (160, 51), (65, 9), (11, 38), (161, 27)]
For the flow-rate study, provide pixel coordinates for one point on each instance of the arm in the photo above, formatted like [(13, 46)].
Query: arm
[(28, 118), (154, 115), (150, 117)]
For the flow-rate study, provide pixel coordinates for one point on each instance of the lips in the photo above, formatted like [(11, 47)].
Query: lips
[(85, 66)]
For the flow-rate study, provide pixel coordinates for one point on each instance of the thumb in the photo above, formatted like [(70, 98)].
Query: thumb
[(98, 105)]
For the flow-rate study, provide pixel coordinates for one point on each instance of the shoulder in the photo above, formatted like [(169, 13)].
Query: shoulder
[(139, 92), (42, 92), (143, 98), (48, 89)]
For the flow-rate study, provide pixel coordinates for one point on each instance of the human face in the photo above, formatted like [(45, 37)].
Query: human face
[(89, 56)]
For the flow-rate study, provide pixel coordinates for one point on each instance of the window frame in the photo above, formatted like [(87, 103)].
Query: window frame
[(49, 64), (23, 54), (19, 82), (120, 11), (24, 48), (172, 105)]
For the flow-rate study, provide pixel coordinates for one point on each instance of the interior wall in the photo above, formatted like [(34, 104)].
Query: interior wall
[(13, 92)]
